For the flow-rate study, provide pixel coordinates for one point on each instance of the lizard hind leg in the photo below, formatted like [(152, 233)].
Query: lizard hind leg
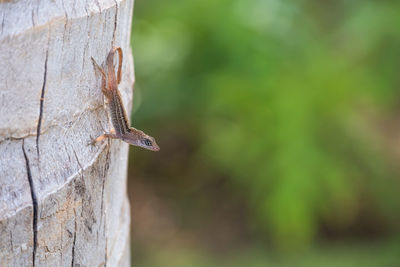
[(98, 68)]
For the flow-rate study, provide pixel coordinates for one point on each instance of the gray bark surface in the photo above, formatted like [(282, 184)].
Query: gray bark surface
[(62, 202)]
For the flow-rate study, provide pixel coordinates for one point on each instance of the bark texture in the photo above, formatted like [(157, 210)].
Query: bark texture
[(62, 201)]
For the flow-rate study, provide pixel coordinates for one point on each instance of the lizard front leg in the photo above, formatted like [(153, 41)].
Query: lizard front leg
[(111, 134)]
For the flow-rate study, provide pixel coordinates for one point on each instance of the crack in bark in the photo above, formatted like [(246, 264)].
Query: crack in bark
[(98, 5), (106, 167), (51, 126), (77, 160), (74, 242), (15, 138), (106, 246), (79, 163), (2, 22), (32, 17), (105, 253), (66, 16), (34, 203), (102, 200), (115, 22), (42, 101), (11, 242), (86, 43), (76, 225)]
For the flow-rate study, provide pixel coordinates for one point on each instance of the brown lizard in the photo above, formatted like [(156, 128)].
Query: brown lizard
[(119, 119)]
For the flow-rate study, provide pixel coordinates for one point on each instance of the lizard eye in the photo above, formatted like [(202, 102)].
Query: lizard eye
[(147, 142)]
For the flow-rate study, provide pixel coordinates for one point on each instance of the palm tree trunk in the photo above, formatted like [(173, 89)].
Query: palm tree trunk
[(62, 202)]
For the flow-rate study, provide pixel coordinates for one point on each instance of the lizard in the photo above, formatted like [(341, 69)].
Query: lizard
[(119, 119)]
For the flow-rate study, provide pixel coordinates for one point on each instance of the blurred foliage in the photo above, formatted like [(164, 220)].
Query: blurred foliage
[(290, 101), (356, 254)]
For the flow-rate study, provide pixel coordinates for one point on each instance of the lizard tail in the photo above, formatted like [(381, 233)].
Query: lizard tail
[(110, 61)]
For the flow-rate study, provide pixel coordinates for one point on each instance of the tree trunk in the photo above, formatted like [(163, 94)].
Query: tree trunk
[(62, 202)]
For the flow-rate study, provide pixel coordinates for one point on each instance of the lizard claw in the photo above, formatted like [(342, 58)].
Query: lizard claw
[(98, 139), (92, 141)]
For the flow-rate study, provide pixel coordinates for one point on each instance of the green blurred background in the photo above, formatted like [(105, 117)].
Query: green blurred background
[(279, 128)]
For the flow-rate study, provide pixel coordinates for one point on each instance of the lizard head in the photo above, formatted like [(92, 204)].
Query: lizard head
[(139, 138)]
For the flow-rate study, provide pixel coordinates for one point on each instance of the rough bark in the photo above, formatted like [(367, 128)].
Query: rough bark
[(62, 201)]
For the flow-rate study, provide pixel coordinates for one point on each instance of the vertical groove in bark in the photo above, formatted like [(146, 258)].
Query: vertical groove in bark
[(115, 23), (34, 203), (106, 167), (98, 5), (42, 101), (2, 23), (74, 242)]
